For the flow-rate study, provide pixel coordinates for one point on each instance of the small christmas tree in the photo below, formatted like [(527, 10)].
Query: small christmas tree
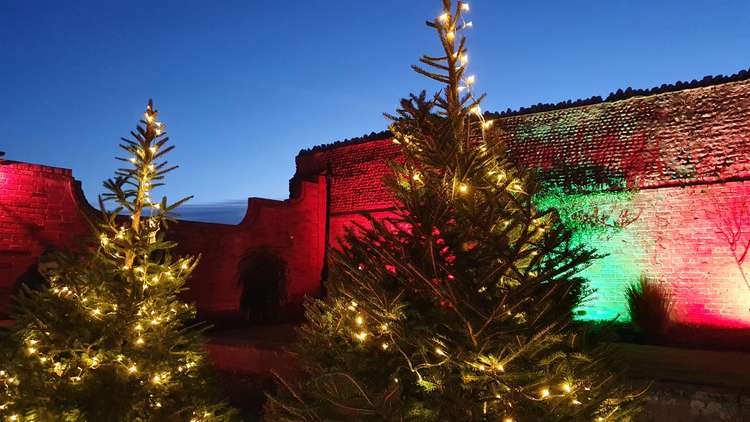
[(109, 339), (457, 307)]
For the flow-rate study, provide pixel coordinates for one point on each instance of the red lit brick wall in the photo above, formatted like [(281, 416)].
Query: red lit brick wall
[(676, 146), (687, 150), (43, 206), (40, 207), (294, 229)]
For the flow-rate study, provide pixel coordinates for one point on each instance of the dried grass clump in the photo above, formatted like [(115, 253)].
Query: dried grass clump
[(650, 305)]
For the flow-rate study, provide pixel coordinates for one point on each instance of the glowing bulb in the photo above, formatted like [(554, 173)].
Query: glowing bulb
[(574, 401), (463, 187), (545, 393), (31, 350), (184, 266), (471, 79), (361, 336), (450, 35), (469, 24), (508, 420), (132, 160), (149, 117), (566, 387), (464, 59), (133, 369), (384, 346), (500, 367), (152, 149), (465, 7), (444, 17), (475, 110), (439, 351), (33, 342), (359, 320), (156, 379), (416, 177), (140, 340), (96, 311)]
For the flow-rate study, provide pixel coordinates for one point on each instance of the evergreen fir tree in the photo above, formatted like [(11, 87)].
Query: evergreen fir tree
[(109, 339), (457, 307)]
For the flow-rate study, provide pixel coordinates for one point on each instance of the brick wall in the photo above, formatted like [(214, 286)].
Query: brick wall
[(40, 207), (294, 229), (43, 206), (687, 151)]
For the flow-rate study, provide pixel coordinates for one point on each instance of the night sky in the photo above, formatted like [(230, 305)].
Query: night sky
[(244, 85)]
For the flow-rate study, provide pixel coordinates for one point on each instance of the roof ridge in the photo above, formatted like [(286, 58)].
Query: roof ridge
[(614, 96)]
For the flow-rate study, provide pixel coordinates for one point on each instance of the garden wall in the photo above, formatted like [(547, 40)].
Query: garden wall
[(42, 207), (680, 161), (677, 161)]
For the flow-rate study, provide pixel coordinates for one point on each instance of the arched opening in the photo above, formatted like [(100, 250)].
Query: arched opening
[(262, 275)]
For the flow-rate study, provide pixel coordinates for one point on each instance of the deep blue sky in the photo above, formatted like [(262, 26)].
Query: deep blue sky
[(244, 85)]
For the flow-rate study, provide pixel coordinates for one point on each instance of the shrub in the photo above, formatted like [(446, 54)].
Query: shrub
[(650, 306)]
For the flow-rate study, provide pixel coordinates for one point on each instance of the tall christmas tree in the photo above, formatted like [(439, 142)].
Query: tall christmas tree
[(109, 339), (458, 306)]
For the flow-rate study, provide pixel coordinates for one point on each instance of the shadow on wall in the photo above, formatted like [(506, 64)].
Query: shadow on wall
[(262, 275)]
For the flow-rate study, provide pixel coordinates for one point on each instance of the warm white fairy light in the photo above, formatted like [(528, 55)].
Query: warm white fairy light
[(465, 7), (444, 17), (361, 336)]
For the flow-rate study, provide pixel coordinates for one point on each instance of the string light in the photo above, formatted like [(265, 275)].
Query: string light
[(465, 7), (359, 320), (463, 187), (450, 35), (464, 59), (566, 387), (384, 346), (361, 336), (133, 369), (471, 79), (544, 393), (444, 17)]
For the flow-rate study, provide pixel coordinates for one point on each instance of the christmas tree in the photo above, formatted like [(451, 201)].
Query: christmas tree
[(458, 306), (109, 338)]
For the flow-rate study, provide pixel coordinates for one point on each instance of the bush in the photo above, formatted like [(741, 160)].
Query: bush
[(650, 306)]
